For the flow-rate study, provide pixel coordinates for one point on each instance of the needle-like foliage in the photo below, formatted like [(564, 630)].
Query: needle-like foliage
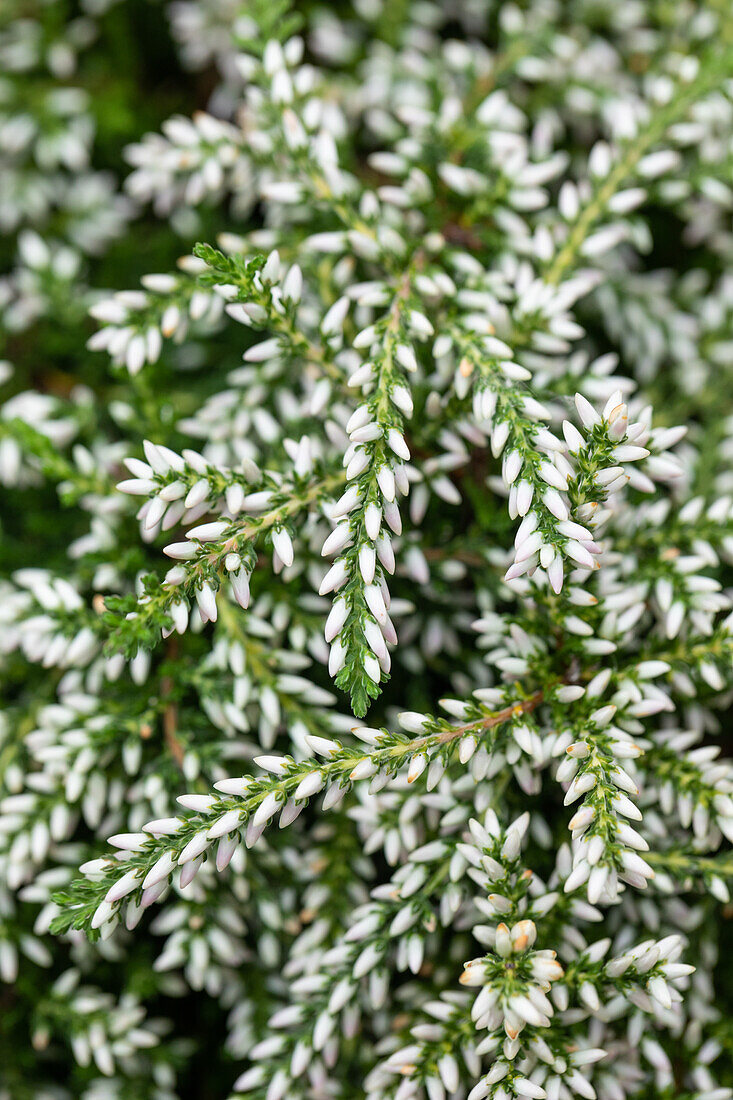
[(367, 606)]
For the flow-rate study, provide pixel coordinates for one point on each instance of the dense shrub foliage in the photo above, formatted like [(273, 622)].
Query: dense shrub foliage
[(366, 452)]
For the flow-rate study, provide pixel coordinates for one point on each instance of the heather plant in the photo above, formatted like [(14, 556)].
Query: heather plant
[(366, 447)]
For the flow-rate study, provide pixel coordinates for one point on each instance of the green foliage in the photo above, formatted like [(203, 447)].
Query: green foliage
[(435, 434)]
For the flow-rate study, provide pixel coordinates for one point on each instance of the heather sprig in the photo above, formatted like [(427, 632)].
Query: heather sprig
[(366, 425)]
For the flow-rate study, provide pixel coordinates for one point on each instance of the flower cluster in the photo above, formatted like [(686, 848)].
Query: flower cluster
[(366, 595)]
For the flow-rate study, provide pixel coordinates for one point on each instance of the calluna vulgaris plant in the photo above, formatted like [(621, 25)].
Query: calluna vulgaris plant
[(367, 619)]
